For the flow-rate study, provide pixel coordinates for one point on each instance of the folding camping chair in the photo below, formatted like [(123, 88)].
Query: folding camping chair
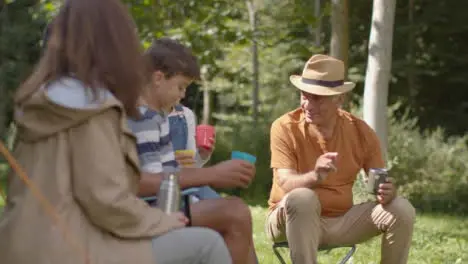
[(278, 245)]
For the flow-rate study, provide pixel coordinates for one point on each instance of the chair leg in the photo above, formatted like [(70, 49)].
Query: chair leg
[(278, 255), (281, 259), (349, 255)]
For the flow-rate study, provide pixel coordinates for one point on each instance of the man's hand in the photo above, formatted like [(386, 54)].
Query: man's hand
[(231, 174), (325, 164), (386, 192), (206, 152)]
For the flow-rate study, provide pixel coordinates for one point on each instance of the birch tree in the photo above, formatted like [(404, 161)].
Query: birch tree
[(206, 105), (339, 30), (251, 7), (379, 68), (318, 28)]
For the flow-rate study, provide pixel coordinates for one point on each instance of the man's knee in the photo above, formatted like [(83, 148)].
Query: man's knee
[(302, 200), (402, 209)]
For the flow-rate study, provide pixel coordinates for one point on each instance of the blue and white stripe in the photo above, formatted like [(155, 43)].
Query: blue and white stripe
[(153, 141)]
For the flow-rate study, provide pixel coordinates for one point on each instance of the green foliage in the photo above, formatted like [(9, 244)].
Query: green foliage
[(208, 26), (428, 60), (431, 169), (21, 27)]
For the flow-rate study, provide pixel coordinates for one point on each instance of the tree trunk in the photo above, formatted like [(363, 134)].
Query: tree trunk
[(411, 42), (255, 65), (318, 28), (379, 69), (339, 26), (206, 105)]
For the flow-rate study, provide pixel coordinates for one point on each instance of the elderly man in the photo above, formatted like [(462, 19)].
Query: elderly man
[(317, 151)]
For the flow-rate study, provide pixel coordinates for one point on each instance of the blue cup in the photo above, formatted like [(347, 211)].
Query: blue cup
[(243, 156)]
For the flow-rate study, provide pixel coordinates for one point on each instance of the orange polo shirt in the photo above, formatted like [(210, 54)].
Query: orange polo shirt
[(294, 145)]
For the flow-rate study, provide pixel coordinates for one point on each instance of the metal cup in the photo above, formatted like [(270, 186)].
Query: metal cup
[(375, 177)]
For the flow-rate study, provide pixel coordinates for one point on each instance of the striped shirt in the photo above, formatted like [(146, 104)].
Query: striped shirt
[(153, 141)]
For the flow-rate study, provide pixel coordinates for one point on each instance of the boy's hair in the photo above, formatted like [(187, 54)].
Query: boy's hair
[(172, 58)]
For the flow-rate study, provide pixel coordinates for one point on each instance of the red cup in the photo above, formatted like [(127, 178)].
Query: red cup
[(204, 133)]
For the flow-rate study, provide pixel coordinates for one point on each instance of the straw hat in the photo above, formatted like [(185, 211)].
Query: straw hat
[(322, 75)]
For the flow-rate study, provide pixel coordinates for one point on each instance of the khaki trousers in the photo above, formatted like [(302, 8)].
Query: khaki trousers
[(297, 220)]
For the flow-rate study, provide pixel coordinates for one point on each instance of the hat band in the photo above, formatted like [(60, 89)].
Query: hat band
[(329, 84)]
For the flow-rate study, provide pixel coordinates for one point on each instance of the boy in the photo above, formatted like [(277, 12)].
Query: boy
[(172, 68)]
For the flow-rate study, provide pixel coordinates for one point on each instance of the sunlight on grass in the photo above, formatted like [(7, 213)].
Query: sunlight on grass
[(436, 239)]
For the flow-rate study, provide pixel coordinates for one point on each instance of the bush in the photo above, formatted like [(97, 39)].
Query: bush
[(430, 169)]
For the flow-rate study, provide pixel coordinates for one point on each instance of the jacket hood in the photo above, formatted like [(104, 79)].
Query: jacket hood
[(58, 106)]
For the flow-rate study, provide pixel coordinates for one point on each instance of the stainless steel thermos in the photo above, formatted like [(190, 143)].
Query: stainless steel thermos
[(169, 194)]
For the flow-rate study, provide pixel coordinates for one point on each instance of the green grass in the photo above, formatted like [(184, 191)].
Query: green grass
[(436, 239)]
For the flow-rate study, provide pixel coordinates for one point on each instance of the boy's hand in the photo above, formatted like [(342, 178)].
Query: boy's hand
[(231, 174), (205, 153), (185, 160)]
